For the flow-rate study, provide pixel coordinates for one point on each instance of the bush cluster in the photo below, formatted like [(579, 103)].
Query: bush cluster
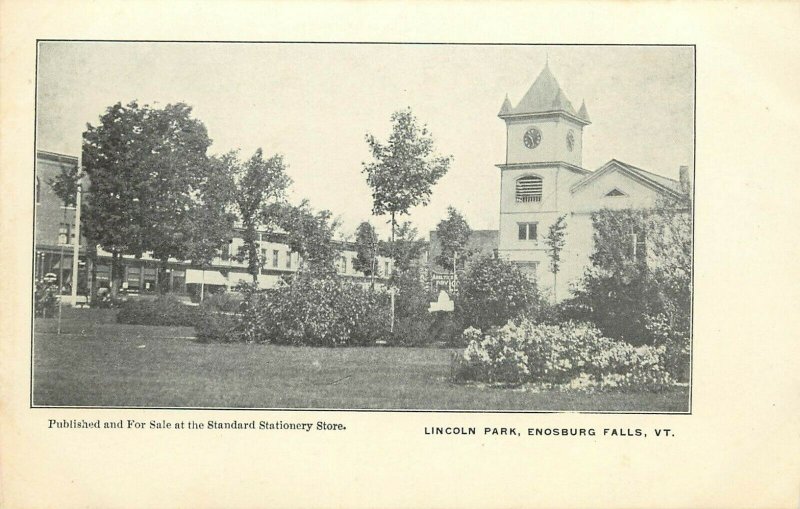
[(313, 310), (574, 355), (219, 318), (495, 291), (165, 310)]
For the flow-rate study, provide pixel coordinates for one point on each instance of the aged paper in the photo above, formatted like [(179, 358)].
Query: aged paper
[(738, 447)]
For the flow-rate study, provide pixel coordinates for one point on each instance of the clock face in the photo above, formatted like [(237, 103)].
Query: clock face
[(570, 140), (532, 137)]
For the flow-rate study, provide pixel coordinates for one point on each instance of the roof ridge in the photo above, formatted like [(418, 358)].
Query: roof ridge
[(636, 168)]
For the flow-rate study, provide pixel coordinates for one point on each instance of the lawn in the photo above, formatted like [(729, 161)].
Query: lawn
[(96, 362)]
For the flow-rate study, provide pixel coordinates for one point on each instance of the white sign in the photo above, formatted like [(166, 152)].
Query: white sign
[(443, 303)]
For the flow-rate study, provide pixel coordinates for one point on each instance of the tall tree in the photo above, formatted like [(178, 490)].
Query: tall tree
[(214, 217), (404, 169), (145, 166), (453, 234), (261, 184), (555, 240)]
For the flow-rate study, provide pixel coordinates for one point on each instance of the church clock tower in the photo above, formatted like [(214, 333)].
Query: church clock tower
[(544, 143)]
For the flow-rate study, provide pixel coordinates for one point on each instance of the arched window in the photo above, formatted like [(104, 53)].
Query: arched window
[(529, 189)]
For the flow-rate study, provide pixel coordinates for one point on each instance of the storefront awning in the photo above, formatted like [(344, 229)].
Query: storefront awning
[(209, 277)]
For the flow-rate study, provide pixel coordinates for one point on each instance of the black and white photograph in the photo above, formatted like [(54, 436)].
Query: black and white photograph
[(399, 255), (437, 227)]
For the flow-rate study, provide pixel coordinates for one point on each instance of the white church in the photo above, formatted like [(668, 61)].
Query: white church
[(542, 179)]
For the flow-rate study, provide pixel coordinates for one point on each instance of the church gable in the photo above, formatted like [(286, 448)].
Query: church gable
[(617, 185)]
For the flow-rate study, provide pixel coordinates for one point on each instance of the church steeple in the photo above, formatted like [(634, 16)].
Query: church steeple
[(544, 96), (544, 129)]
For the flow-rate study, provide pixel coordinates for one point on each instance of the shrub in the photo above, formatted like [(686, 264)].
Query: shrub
[(220, 319), (571, 354), (494, 291), (414, 324), (676, 344), (165, 310), (311, 309)]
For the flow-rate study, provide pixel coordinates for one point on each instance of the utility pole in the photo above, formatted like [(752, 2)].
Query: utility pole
[(76, 246)]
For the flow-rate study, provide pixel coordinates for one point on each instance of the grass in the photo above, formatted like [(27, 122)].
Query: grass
[(96, 362)]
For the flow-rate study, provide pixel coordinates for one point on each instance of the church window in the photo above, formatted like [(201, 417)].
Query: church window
[(527, 231), (615, 192), (529, 189), (637, 246)]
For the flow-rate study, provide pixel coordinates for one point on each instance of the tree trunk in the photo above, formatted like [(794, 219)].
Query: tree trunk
[(92, 259), (555, 287), (115, 274)]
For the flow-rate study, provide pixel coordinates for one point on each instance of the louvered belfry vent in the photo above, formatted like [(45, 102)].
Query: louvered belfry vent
[(529, 189)]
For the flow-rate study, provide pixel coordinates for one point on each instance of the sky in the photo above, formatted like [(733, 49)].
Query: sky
[(314, 103)]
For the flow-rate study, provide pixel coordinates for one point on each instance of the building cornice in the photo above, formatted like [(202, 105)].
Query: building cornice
[(543, 114), (543, 164), (56, 157)]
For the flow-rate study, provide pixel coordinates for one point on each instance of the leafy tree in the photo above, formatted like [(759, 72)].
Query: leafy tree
[(261, 184), (213, 219), (453, 234), (641, 273), (145, 166), (311, 234), (367, 245), (555, 240), (406, 249), (494, 291), (404, 169), (65, 184)]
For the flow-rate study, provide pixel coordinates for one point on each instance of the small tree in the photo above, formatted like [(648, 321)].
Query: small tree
[(311, 235), (407, 249), (404, 169), (555, 240), (65, 186), (453, 234), (495, 291), (260, 184), (366, 259)]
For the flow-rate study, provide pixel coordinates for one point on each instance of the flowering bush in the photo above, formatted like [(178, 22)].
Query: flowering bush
[(676, 345), (573, 355)]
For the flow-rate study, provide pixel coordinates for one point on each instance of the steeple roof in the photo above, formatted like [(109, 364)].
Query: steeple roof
[(544, 96), (506, 107), (583, 113)]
